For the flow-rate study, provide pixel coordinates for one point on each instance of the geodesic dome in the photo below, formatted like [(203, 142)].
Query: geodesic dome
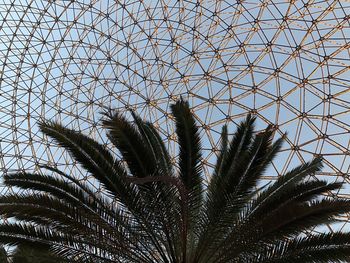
[(286, 62)]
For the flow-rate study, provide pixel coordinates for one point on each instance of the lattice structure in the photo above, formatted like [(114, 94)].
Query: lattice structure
[(287, 62)]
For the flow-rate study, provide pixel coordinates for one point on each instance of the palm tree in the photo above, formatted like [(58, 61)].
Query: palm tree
[(152, 211)]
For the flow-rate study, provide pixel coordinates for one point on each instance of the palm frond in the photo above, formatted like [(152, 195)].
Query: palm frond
[(286, 222), (99, 162), (131, 144), (37, 235), (189, 144), (71, 193), (155, 145), (285, 183), (218, 170), (95, 158), (190, 169), (229, 192), (144, 152), (317, 248), (294, 218), (300, 192), (221, 182), (161, 196)]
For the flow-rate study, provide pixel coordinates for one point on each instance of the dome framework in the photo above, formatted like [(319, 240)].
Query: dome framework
[(286, 62)]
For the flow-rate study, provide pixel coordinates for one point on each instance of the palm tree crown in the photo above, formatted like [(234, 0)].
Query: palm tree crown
[(151, 211)]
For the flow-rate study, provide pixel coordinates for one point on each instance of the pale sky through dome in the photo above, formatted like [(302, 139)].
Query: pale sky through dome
[(78, 59)]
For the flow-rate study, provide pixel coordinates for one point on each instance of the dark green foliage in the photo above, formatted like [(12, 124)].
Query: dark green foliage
[(151, 212), (29, 254), (3, 255)]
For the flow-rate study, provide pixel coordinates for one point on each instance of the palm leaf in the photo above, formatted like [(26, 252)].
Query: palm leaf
[(330, 247), (166, 193), (236, 188), (189, 171), (95, 158), (99, 162), (131, 144), (284, 183)]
